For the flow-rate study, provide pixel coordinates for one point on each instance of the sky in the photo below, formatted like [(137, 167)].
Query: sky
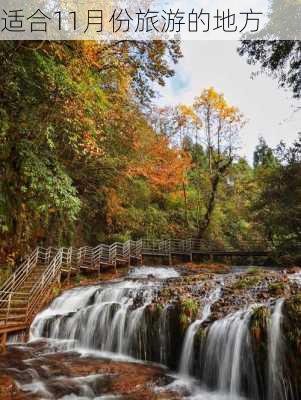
[(270, 111)]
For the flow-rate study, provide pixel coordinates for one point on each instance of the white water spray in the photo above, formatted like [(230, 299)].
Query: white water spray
[(277, 387)]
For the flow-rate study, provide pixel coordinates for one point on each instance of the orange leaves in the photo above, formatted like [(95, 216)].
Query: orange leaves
[(113, 205), (164, 167), (90, 146)]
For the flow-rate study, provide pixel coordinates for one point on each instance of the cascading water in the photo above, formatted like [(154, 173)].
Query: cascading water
[(228, 356), (188, 347), (109, 318), (279, 387), (274, 345), (97, 318), (165, 335)]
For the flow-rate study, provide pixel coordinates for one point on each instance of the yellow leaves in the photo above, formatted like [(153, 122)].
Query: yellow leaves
[(187, 115), (210, 101)]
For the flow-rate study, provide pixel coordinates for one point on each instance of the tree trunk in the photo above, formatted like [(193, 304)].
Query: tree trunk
[(210, 207), (215, 180), (186, 206)]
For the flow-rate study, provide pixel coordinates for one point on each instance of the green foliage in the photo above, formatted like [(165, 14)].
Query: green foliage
[(253, 271), (56, 291), (260, 317), (264, 155), (276, 288), (292, 325), (188, 312), (5, 272), (279, 58), (278, 204), (258, 326)]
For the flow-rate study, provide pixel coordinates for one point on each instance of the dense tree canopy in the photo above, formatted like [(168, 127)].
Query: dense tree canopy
[(73, 135), (85, 157), (278, 205)]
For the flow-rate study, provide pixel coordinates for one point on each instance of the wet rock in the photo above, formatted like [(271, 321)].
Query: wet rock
[(294, 270)]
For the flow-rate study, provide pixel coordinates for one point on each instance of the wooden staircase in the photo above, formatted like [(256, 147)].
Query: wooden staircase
[(17, 307)]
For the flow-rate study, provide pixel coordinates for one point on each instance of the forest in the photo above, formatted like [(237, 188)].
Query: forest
[(87, 157)]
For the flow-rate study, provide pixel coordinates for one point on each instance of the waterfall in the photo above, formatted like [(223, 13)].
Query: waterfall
[(164, 335), (99, 318), (186, 362), (278, 388), (228, 363), (187, 351)]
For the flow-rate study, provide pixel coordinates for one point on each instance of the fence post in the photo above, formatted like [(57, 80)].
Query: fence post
[(27, 266), (8, 307)]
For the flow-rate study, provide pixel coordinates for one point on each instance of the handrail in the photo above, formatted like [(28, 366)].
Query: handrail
[(16, 280), (24, 267), (44, 283)]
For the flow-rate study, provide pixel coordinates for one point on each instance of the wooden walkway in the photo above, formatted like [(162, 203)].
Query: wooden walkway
[(27, 291)]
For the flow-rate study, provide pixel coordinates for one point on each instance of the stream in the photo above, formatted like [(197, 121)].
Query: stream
[(124, 339)]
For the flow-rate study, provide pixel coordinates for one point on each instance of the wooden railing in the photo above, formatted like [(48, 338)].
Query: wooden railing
[(17, 278), (51, 262), (11, 293), (40, 291), (186, 246)]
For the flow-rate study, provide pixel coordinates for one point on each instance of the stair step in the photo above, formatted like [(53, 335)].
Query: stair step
[(17, 301), (20, 295), (13, 317), (13, 309)]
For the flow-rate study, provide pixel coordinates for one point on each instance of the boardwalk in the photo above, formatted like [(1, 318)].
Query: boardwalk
[(25, 293)]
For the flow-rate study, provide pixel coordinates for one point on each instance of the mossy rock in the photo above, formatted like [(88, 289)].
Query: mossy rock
[(258, 323), (188, 312), (292, 314), (247, 282), (201, 333), (56, 291), (184, 322), (253, 271), (190, 307), (276, 288)]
